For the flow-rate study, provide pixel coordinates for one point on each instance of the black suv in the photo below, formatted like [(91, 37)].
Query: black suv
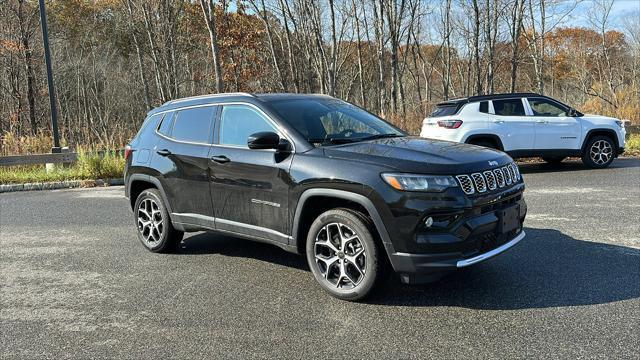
[(318, 176)]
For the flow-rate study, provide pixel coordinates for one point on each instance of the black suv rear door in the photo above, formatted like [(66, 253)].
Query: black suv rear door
[(181, 156), (249, 188)]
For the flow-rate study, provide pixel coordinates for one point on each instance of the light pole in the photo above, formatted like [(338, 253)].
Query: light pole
[(52, 94)]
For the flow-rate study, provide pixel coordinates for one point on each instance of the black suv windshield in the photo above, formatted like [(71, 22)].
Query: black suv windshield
[(332, 121)]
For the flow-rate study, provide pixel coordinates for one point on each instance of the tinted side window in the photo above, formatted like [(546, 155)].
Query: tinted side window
[(165, 125), (150, 123), (509, 107), (544, 107), (444, 110), (484, 107), (237, 122), (193, 125)]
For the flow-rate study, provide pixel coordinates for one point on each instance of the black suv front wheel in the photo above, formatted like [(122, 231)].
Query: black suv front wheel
[(342, 253), (155, 230)]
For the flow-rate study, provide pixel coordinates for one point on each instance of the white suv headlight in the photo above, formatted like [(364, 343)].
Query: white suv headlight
[(417, 182)]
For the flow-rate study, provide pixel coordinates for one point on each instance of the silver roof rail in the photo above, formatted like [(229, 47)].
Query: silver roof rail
[(197, 97)]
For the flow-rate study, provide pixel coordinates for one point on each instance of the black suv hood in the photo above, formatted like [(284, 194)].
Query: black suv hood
[(419, 155)]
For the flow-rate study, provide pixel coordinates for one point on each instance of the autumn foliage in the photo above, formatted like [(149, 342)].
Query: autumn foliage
[(115, 59)]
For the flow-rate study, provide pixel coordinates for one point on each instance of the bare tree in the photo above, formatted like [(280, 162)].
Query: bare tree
[(517, 13), (208, 10)]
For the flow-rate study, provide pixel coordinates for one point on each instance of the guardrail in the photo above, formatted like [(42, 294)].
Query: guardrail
[(14, 160), (65, 157)]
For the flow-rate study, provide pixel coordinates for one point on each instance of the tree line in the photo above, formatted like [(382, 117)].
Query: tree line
[(114, 60)]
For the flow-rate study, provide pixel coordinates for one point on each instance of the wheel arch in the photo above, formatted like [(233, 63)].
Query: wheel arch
[(137, 183), (600, 132), (489, 137), (307, 210)]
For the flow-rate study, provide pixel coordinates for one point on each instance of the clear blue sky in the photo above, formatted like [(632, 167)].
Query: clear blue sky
[(619, 11)]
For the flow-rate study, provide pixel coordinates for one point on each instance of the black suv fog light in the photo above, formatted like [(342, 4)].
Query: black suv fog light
[(440, 221), (428, 222)]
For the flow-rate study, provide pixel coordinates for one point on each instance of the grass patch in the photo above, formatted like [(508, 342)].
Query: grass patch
[(632, 145), (88, 166)]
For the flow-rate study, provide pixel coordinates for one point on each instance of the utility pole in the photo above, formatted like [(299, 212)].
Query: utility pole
[(52, 94)]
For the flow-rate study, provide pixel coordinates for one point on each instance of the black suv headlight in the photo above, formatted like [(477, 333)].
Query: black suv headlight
[(418, 182)]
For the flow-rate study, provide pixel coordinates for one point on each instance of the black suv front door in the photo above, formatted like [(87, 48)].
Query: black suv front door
[(249, 188)]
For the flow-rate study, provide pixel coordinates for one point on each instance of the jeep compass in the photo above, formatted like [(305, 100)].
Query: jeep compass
[(528, 125), (321, 177)]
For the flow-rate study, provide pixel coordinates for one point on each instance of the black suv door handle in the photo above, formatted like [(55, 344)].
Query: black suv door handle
[(164, 152), (220, 159)]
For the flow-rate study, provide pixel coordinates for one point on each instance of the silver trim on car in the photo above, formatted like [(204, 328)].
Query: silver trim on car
[(466, 184), (279, 129), (489, 254), (479, 182), (489, 180)]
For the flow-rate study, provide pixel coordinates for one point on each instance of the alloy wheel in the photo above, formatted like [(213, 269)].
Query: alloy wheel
[(150, 222), (601, 152), (340, 256)]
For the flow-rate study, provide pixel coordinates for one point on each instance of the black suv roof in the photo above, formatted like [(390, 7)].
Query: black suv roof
[(224, 97), (469, 99)]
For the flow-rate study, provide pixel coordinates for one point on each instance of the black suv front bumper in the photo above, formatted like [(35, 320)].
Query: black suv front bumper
[(477, 234)]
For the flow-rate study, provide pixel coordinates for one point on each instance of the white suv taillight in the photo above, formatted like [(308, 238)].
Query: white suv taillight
[(127, 152), (450, 124)]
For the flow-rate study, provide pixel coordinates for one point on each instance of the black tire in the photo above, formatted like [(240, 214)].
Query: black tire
[(348, 286), (599, 152), (156, 233), (555, 160)]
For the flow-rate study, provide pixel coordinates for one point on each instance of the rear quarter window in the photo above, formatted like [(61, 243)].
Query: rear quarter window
[(150, 123), (484, 107), (444, 110), (165, 125)]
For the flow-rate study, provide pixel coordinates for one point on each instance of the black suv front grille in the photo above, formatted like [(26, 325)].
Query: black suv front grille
[(489, 180)]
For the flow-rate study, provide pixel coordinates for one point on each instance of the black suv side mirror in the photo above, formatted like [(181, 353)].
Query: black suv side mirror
[(264, 140), (573, 112)]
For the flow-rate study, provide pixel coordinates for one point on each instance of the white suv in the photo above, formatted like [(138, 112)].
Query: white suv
[(528, 125)]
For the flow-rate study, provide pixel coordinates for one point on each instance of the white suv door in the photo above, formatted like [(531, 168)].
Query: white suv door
[(515, 128), (555, 129)]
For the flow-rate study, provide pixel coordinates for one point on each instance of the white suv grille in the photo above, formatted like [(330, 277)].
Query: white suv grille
[(489, 180)]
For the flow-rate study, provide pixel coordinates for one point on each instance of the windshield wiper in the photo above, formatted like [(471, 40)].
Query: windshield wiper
[(337, 141), (333, 141), (379, 136)]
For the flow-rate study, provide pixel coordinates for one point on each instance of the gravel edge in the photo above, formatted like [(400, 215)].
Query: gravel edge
[(68, 184)]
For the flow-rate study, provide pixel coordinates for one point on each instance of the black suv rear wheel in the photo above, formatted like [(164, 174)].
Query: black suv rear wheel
[(599, 152), (342, 254), (155, 230)]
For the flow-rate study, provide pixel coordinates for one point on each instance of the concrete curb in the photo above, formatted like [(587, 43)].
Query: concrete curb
[(68, 184)]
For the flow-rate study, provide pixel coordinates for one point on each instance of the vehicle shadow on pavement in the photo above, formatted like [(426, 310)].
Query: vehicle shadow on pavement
[(212, 243), (547, 269), (572, 165)]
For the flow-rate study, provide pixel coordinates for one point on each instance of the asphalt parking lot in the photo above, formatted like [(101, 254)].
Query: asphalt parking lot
[(75, 283)]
